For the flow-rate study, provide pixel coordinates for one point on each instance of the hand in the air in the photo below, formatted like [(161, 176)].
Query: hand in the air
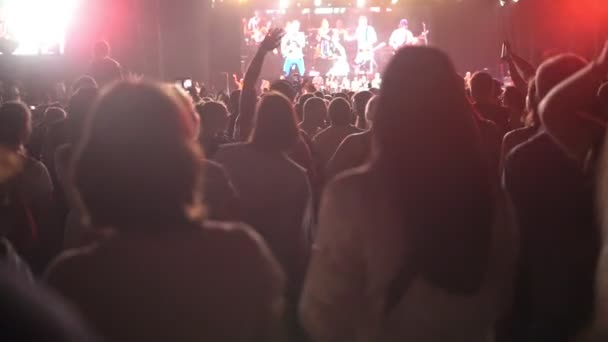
[(273, 39)]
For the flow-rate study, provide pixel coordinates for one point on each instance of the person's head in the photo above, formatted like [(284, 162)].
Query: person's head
[(101, 49), (78, 108), (318, 94), (54, 114), (360, 100), (514, 99), (363, 21), (137, 166), (315, 111), (342, 95), (554, 70), (276, 128), (214, 117), (429, 155), (482, 87), (15, 125), (283, 87), (370, 109), (194, 94), (325, 23), (339, 112), (257, 14), (235, 101), (295, 26), (84, 82), (403, 23)]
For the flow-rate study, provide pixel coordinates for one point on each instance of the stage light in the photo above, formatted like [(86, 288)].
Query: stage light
[(360, 3), (318, 3), (515, 1), (283, 4), (39, 26), (394, 2), (502, 2)]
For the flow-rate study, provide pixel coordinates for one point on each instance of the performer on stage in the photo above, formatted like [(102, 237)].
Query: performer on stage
[(402, 36), (291, 47), (256, 29), (340, 65), (324, 40), (366, 39)]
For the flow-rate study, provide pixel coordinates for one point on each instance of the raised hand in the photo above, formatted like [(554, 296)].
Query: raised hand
[(272, 40)]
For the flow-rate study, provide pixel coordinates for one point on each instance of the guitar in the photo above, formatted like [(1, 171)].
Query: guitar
[(423, 37), (367, 55)]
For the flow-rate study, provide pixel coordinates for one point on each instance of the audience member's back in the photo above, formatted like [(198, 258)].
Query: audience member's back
[(27, 193), (104, 69), (553, 204), (161, 274), (407, 250), (328, 140), (482, 92)]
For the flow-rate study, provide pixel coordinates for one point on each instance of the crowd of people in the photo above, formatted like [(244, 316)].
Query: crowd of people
[(431, 209)]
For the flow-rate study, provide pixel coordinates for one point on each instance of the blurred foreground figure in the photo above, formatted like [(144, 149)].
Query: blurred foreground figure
[(414, 246), (162, 273)]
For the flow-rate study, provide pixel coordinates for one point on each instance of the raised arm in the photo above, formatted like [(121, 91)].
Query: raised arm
[(248, 93), (521, 71), (564, 111)]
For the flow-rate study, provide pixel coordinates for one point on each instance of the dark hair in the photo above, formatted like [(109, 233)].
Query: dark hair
[(360, 100), (482, 86), (430, 157), (214, 116), (78, 108), (137, 165), (235, 101), (318, 94), (15, 124), (513, 98), (54, 114), (315, 110), (342, 95), (339, 112), (276, 128), (283, 87), (101, 49), (554, 70), (84, 82)]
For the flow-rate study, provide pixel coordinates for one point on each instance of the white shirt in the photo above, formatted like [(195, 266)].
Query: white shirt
[(401, 37), (366, 37)]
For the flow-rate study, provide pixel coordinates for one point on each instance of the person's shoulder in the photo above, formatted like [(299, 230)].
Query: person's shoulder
[(68, 263), (241, 237), (321, 134), (35, 171), (227, 150), (350, 182)]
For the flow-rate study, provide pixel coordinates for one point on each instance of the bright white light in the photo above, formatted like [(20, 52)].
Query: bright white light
[(283, 4), (394, 2), (502, 2), (360, 3), (515, 0), (318, 3), (38, 26)]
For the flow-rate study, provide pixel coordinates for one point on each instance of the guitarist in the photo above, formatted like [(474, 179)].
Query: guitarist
[(292, 47), (366, 39), (402, 36)]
